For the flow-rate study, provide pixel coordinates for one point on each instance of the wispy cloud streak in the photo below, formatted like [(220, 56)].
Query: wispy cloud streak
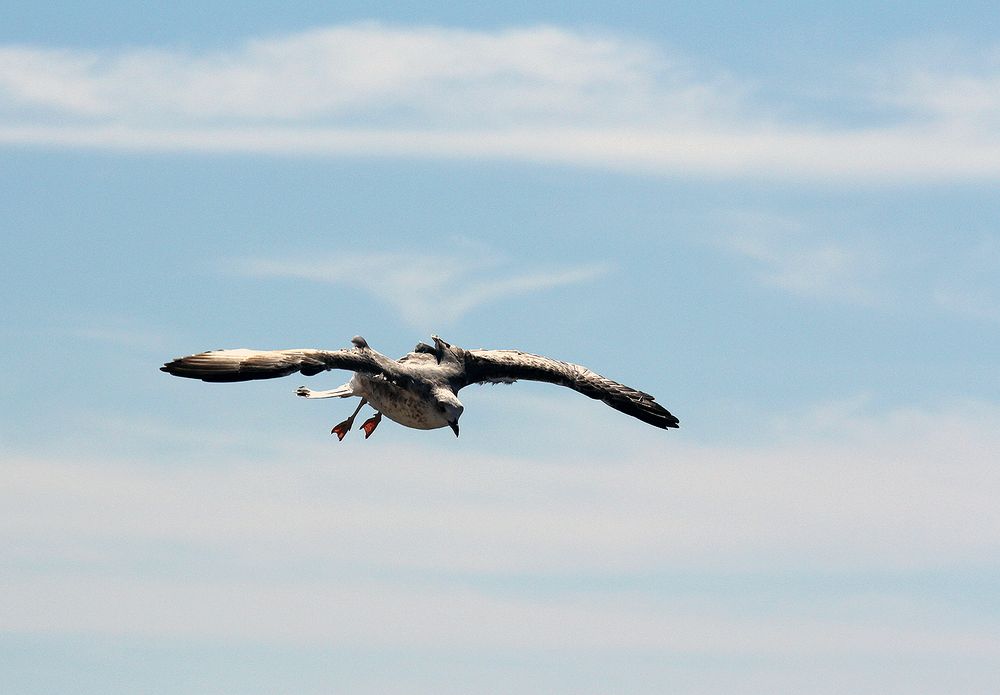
[(426, 290), (367, 70), (540, 94)]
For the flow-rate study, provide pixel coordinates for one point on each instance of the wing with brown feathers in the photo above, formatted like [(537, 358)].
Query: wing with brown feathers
[(507, 366), (247, 365)]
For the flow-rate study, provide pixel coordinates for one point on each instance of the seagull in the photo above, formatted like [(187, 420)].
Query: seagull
[(418, 390)]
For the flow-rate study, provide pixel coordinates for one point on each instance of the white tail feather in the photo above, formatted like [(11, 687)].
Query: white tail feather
[(344, 391)]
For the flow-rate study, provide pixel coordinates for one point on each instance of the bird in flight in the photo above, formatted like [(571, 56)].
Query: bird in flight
[(420, 389)]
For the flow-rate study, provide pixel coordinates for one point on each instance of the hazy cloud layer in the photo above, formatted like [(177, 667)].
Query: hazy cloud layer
[(543, 94), (426, 289), (262, 547)]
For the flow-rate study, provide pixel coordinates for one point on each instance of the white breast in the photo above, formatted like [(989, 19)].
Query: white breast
[(400, 405)]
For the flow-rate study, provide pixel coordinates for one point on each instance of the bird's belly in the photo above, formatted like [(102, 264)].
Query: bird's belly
[(402, 406)]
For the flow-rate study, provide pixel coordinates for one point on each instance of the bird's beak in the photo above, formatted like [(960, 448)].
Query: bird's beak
[(454, 426)]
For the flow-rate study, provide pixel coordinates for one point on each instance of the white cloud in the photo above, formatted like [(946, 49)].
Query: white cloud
[(841, 490), (790, 257), (942, 82), (539, 94), (901, 154), (414, 546), (424, 75), (382, 614), (55, 79), (958, 100), (426, 290)]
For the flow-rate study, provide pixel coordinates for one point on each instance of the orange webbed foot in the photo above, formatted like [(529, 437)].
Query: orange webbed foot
[(370, 424), (343, 428)]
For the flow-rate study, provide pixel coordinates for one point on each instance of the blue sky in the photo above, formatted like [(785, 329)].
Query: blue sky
[(781, 221)]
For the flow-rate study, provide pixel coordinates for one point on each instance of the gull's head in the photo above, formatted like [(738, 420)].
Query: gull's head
[(450, 408)]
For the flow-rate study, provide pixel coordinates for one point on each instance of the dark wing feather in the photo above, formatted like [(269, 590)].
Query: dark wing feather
[(507, 366), (247, 365)]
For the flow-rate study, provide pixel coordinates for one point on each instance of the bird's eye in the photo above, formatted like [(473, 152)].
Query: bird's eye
[(440, 407)]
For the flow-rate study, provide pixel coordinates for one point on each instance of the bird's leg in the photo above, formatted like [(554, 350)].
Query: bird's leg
[(343, 428), (370, 424)]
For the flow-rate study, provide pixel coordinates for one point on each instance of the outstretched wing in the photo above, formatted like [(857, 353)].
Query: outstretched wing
[(246, 365), (508, 366)]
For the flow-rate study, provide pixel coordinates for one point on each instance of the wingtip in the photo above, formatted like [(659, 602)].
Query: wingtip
[(671, 424), (658, 416)]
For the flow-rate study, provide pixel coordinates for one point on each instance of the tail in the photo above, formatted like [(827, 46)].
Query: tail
[(344, 391)]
